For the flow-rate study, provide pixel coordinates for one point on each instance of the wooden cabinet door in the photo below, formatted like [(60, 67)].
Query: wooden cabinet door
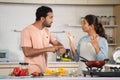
[(40, 1), (12, 1), (103, 2), (71, 1)]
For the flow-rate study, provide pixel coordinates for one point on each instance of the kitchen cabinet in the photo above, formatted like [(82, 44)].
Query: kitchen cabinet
[(12, 1), (71, 2), (40, 1), (103, 2), (29, 1), (89, 2), (78, 2), (116, 12)]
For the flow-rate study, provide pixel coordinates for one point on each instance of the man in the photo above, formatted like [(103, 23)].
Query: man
[(35, 40)]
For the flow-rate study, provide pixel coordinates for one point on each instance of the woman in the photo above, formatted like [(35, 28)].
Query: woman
[(94, 46)]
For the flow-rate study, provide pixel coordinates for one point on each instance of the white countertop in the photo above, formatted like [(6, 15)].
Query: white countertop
[(9, 63), (67, 78), (48, 62), (112, 65)]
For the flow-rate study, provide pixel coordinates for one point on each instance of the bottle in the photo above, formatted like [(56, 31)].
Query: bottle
[(110, 40)]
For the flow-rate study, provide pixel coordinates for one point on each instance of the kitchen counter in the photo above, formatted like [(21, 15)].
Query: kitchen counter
[(64, 64), (7, 63), (67, 78), (54, 62), (7, 67)]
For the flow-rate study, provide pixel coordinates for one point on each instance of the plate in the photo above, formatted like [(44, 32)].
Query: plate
[(116, 56)]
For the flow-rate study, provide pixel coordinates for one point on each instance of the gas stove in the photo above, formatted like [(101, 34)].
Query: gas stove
[(113, 72)]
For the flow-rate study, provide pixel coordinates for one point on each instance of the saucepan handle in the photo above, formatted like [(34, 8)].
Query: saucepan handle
[(83, 59), (106, 59)]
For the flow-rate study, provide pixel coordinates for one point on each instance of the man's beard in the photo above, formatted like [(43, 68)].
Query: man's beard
[(46, 25)]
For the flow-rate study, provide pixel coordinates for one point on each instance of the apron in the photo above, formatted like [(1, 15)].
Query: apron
[(87, 51)]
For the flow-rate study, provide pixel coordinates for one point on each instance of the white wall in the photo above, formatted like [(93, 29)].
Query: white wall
[(18, 16)]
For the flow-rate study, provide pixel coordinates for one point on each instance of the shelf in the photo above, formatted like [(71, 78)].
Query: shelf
[(112, 44), (111, 26), (74, 25), (107, 26)]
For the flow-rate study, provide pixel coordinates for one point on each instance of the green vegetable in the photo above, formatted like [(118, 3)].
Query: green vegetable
[(118, 57)]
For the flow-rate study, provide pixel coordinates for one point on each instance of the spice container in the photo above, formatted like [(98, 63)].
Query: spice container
[(24, 69), (24, 66), (103, 20), (111, 20), (107, 21), (99, 19), (110, 39)]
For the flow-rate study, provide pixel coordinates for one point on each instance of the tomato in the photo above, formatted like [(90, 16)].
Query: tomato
[(16, 71), (24, 72), (35, 74)]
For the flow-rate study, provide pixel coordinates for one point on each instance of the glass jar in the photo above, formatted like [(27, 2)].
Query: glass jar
[(103, 20), (107, 20), (24, 69), (99, 19), (24, 65), (110, 40), (111, 20)]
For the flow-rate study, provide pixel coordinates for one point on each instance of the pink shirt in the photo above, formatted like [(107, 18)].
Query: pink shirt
[(35, 38)]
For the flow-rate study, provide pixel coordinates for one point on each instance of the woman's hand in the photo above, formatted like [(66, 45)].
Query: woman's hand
[(94, 41), (71, 41), (69, 36)]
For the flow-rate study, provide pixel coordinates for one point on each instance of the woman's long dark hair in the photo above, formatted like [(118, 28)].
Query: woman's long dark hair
[(100, 30)]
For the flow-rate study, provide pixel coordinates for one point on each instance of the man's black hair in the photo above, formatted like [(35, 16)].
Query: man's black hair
[(42, 12)]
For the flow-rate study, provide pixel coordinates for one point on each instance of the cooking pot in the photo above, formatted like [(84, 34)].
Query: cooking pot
[(96, 63)]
